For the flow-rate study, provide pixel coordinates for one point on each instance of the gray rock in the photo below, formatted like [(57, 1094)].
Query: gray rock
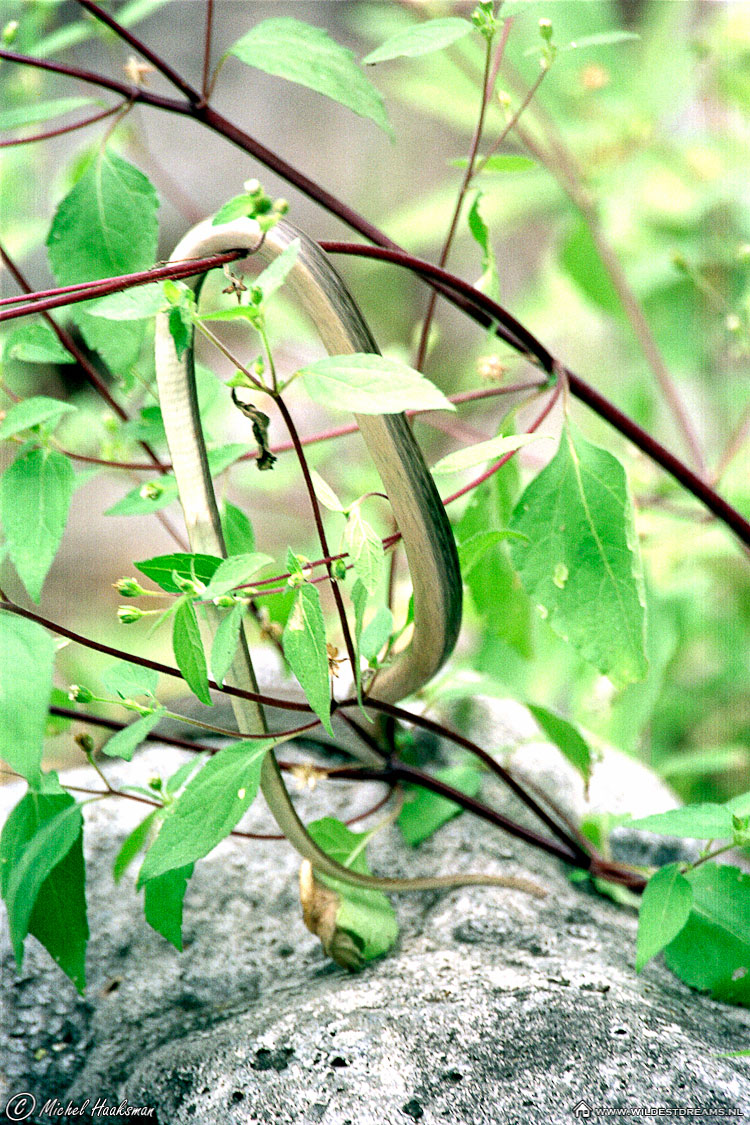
[(493, 1008)]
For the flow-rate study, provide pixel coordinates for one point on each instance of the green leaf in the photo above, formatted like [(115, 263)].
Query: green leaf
[(32, 111), (582, 563), (580, 259), (138, 503), (476, 546), (188, 651), (234, 571), (36, 343), (126, 741), (132, 844), (712, 951), (129, 680), (359, 598), (365, 915), (600, 39), (567, 738), (495, 587), (325, 493), (180, 329), (371, 384), (365, 549), (55, 724), (489, 282), (163, 899), (420, 39), (376, 634), (483, 452), (139, 303), (239, 537), (104, 227), (304, 644), (207, 810), (692, 822), (426, 811), (499, 162), (226, 639), (664, 910), (161, 569), (238, 207), (739, 806), (308, 56), (35, 494), (42, 882), (275, 274), (32, 412), (27, 657)]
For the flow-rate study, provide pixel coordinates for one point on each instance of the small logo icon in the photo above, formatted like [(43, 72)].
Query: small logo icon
[(582, 1110), (20, 1107)]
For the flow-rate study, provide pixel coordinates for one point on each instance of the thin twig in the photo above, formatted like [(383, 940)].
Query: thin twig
[(63, 128)]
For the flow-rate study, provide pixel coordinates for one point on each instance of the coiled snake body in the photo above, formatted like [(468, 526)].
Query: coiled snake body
[(420, 515)]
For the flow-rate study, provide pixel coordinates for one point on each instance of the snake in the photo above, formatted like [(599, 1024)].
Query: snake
[(418, 510)]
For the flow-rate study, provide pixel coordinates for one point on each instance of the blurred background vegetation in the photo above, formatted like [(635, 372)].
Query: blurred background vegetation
[(634, 198)]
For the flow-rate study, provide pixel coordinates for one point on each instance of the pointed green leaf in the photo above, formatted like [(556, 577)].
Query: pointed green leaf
[(163, 899), (484, 451), (304, 643), (692, 822), (365, 549), (489, 282), (581, 261), (239, 537), (495, 587), (234, 571), (162, 568), (42, 900), (664, 910), (376, 634), (365, 915), (126, 741), (499, 162), (325, 493), (275, 274), (188, 651), (567, 738), (32, 111), (712, 951), (371, 384), (104, 227), (420, 39), (600, 39), (36, 343), (359, 598), (307, 55), (208, 809), (27, 657), (35, 494), (132, 844), (129, 680), (226, 639), (426, 811), (32, 412), (582, 562)]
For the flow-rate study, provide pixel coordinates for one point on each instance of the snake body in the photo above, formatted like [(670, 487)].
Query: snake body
[(427, 537)]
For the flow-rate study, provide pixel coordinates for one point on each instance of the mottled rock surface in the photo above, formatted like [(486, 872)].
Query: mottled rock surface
[(493, 1008)]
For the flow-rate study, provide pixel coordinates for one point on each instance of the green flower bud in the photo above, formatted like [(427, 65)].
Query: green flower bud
[(151, 490), (545, 30), (9, 32), (129, 614), (79, 694), (128, 587), (86, 742), (338, 569)]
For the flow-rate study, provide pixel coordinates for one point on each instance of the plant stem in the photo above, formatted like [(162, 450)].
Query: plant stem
[(488, 79), (289, 422), (63, 128), (207, 50)]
